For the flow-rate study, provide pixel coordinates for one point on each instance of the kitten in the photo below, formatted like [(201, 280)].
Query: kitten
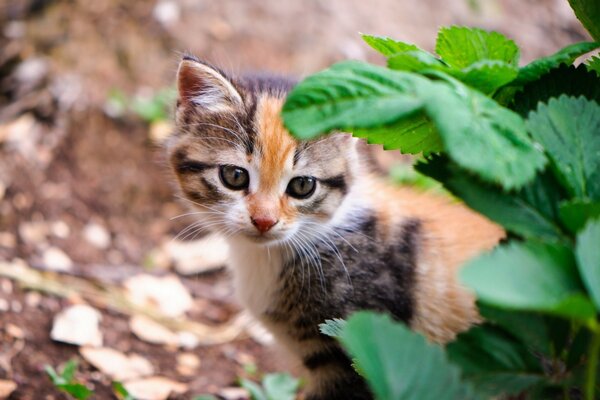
[(314, 234)]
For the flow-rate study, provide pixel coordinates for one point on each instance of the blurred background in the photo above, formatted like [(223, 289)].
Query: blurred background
[(87, 206)]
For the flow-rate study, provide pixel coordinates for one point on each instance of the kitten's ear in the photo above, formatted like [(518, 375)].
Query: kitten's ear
[(206, 88)]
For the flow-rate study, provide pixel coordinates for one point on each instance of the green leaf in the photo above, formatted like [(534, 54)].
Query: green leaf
[(332, 327), (77, 390), (54, 377), (531, 277), (534, 70), (121, 392), (569, 130), (387, 354), (494, 362), (280, 386), (575, 213), (411, 135), (461, 46), (588, 12), (482, 136), (68, 370), (588, 259), (387, 46), (205, 397), (256, 392), (414, 60), (516, 212), (593, 64), (340, 97), (564, 80), (486, 75)]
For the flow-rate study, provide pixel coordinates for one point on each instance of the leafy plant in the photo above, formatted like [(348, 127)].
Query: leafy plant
[(150, 108), (520, 145), (277, 386), (65, 380)]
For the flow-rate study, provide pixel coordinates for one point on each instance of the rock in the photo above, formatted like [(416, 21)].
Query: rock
[(55, 259), (34, 232), (188, 340), (60, 229), (97, 236), (22, 135), (167, 12), (154, 388), (151, 331), (14, 331), (78, 325), (6, 388), (4, 305), (117, 365), (234, 393), (165, 293), (199, 256), (188, 364), (7, 240)]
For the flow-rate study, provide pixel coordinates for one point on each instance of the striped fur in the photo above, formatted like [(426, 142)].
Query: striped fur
[(356, 243)]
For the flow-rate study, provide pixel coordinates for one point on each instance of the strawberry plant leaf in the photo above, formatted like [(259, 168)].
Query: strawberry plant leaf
[(387, 46), (588, 258), (564, 80), (460, 47), (575, 213), (77, 390), (414, 60), (494, 362), (486, 75), (385, 352), (569, 130), (588, 12), (280, 386), (68, 371), (529, 276), (541, 66), (256, 392), (332, 327), (593, 64)]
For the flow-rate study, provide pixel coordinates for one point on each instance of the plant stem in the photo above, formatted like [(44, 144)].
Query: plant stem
[(592, 367)]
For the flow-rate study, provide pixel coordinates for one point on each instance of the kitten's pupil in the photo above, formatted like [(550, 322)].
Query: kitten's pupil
[(302, 187), (234, 177)]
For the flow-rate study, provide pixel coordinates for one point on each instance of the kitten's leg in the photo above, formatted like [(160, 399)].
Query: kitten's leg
[(332, 376)]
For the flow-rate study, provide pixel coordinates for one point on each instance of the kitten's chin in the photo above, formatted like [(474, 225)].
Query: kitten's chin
[(268, 239)]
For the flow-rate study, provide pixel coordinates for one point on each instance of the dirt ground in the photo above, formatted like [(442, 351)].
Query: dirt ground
[(69, 160)]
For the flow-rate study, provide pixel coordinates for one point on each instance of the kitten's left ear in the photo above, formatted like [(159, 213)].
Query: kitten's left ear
[(206, 88)]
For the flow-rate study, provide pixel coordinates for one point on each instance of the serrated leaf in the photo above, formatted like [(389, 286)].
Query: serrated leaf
[(332, 327), (280, 386), (460, 47), (569, 130), (414, 60), (593, 64), (575, 213), (411, 135), (519, 212), (482, 136), (386, 351), (588, 259), (541, 66), (340, 96), (386, 45), (529, 276), (494, 362), (564, 80), (588, 12), (486, 75)]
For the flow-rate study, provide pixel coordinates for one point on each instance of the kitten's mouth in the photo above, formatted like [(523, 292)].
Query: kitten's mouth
[(264, 238)]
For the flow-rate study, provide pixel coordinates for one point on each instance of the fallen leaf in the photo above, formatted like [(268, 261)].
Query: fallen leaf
[(96, 235), (234, 393), (115, 364), (151, 331), (6, 388), (166, 293), (188, 364), (199, 256), (154, 388), (79, 325)]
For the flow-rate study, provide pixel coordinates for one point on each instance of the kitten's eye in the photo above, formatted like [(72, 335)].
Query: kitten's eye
[(301, 187), (234, 178)]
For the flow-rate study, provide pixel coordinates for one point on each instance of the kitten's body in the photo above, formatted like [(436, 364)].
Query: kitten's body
[(356, 243)]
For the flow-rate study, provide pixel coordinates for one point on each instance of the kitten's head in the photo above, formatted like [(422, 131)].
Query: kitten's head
[(240, 167)]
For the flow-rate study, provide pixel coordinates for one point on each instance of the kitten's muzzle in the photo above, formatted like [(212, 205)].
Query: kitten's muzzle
[(263, 224)]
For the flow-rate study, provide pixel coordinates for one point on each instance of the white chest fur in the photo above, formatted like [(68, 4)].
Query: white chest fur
[(255, 272)]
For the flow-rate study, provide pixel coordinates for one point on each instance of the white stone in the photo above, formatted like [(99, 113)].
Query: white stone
[(198, 256), (167, 12), (154, 388), (56, 260), (6, 388), (78, 325), (151, 331), (96, 235)]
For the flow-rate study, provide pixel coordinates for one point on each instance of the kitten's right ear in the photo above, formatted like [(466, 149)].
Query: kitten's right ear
[(206, 88)]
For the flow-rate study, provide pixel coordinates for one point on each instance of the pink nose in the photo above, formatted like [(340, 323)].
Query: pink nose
[(263, 224)]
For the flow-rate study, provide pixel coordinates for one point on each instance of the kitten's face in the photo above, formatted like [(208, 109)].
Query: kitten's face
[(241, 169)]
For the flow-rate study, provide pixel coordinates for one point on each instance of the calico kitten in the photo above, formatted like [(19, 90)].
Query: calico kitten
[(314, 235)]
